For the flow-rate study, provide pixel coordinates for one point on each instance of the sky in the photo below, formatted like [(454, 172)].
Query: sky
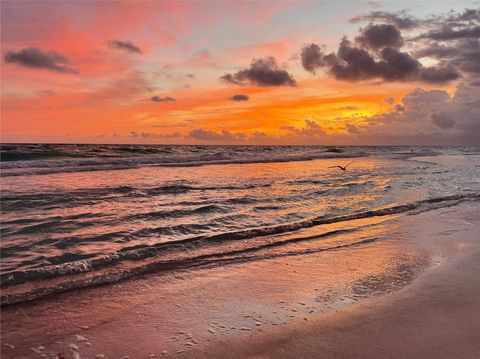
[(246, 72)]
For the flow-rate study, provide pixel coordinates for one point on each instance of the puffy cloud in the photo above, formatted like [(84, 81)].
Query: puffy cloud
[(262, 72), (376, 52), (351, 63), (312, 57), (239, 97), (432, 116), (125, 45), (401, 20), (162, 99), (380, 36), (36, 58), (311, 129)]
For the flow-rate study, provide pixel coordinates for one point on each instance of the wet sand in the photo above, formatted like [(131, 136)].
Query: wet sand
[(412, 293), (438, 316)]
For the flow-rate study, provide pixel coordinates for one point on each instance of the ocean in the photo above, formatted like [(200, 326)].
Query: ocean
[(74, 216)]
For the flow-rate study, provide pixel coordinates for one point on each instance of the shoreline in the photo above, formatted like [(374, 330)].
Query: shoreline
[(412, 294), (436, 316)]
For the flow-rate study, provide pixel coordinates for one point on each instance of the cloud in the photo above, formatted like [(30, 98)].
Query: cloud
[(208, 135), (312, 57), (467, 15), (400, 19), (262, 72), (436, 51), (36, 58), (435, 114), (311, 129), (125, 45), (352, 128), (442, 120), (380, 36), (377, 52), (351, 63), (348, 108), (150, 135), (160, 135), (439, 75), (239, 97), (162, 99), (449, 33)]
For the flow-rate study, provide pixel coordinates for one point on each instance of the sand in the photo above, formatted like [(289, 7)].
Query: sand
[(437, 316), (413, 294)]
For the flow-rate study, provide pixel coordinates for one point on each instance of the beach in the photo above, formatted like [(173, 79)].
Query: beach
[(415, 294), (240, 179), (163, 252)]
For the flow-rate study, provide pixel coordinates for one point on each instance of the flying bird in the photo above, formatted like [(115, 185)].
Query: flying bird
[(343, 168)]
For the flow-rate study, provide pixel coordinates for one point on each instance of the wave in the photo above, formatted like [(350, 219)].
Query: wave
[(67, 165), (138, 253), (21, 201)]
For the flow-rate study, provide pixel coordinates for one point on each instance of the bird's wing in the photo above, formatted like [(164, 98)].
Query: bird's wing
[(348, 164)]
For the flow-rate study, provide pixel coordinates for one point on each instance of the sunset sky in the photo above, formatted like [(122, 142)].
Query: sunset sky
[(282, 72)]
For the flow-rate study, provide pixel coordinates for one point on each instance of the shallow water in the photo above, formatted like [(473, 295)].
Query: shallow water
[(70, 214)]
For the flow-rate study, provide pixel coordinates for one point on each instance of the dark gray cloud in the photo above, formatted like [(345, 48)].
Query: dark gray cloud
[(439, 74), (448, 32), (464, 54), (436, 51), (262, 72), (36, 58), (353, 63), (125, 45), (400, 19), (451, 38), (162, 99), (380, 36), (470, 15), (468, 58), (442, 120), (312, 57), (239, 97)]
